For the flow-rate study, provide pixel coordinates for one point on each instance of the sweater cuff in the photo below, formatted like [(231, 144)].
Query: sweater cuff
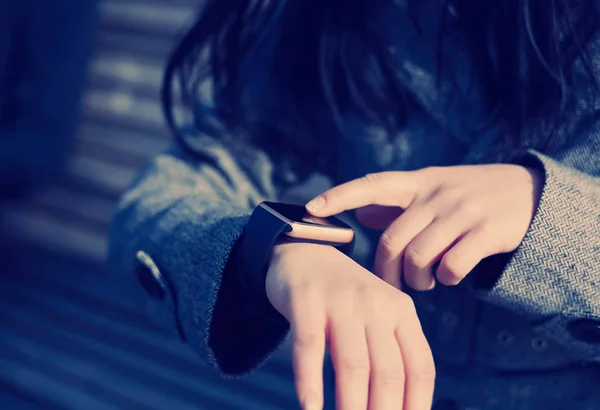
[(552, 266)]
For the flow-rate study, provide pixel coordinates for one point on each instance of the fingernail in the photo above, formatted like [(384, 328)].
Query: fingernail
[(312, 406), (316, 204)]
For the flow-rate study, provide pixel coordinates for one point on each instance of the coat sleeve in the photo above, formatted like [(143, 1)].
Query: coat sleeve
[(175, 231), (554, 275)]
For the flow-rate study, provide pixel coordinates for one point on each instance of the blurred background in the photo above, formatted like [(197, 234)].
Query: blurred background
[(71, 337)]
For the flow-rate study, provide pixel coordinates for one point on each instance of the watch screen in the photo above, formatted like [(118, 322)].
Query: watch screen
[(298, 214)]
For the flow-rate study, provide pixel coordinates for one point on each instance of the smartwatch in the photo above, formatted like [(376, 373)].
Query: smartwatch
[(273, 221)]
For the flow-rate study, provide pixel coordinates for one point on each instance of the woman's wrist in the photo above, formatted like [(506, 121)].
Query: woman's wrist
[(285, 249)]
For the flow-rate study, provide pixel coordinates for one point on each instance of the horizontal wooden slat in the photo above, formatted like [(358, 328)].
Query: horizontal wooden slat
[(109, 384), (27, 224), (12, 397), (191, 4), (139, 44), (87, 209), (147, 16), (118, 105), (129, 70), (48, 385), (123, 142), (102, 174)]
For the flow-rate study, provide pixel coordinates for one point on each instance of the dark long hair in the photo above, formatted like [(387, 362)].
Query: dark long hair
[(279, 69)]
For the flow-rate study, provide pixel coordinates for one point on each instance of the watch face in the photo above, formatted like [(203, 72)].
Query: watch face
[(298, 214)]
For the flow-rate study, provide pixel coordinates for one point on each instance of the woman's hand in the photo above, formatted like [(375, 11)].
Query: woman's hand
[(456, 216), (381, 357)]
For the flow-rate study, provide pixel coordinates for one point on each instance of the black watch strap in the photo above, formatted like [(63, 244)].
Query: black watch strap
[(260, 235)]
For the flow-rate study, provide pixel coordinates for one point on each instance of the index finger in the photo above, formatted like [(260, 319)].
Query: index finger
[(392, 188)]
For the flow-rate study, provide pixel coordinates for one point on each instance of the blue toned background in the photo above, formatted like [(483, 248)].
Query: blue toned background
[(71, 337)]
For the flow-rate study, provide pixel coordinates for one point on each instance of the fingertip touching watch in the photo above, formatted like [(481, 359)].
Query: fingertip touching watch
[(271, 221)]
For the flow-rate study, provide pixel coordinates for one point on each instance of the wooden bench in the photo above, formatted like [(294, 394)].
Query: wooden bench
[(71, 337)]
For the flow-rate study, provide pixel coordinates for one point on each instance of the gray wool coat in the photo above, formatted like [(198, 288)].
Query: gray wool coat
[(531, 342)]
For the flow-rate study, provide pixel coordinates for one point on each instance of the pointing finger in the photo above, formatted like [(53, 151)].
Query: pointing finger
[(386, 189)]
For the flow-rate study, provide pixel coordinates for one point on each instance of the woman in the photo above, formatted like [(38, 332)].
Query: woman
[(483, 114)]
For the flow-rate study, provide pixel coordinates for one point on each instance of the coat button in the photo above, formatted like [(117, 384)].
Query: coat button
[(150, 279), (446, 404), (586, 330)]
